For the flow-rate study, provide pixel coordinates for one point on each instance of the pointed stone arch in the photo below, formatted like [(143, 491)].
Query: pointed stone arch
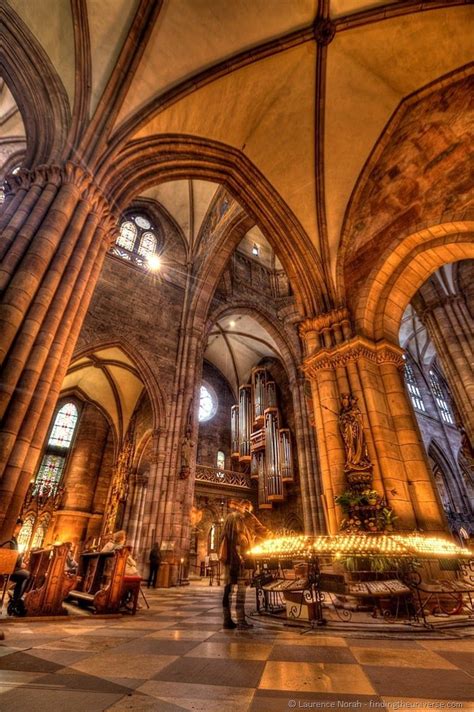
[(145, 162), (37, 88)]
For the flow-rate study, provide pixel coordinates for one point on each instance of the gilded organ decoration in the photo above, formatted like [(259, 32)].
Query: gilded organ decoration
[(255, 427)]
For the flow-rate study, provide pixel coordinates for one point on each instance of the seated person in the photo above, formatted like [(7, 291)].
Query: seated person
[(71, 565), (21, 575), (131, 570)]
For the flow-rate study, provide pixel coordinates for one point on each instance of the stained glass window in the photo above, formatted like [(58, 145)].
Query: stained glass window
[(40, 533), (413, 390), (138, 243), (207, 404), (64, 424), (220, 460), (440, 398), (25, 532), (128, 233), (54, 459), (147, 244), (49, 473)]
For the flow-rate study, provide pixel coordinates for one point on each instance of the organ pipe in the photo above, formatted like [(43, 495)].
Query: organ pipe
[(286, 462), (272, 455), (257, 438), (263, 501), (234, 428), (259, 382), (271, 395), (245, 422)]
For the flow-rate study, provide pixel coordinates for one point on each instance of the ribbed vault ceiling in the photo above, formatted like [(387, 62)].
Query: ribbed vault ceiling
[(306, 115), (110, 379), (236, 344)]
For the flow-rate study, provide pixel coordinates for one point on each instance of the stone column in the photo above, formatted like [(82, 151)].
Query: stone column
[(337, 361), (140, 485), (53, 248), (450, 327)]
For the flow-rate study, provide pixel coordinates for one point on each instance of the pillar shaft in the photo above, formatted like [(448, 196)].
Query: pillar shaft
[(450, 327), (54, 270), (373, 373)]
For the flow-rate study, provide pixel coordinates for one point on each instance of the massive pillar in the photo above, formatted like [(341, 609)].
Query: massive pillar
[(337, 362), (450, 327), (53, 244)]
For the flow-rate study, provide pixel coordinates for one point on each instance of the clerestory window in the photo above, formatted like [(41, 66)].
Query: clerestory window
[(413, 390), (138, 242), (440, 398)]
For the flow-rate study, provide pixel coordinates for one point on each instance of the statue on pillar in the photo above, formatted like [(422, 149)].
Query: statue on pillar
[(358, 466), (187, 447)]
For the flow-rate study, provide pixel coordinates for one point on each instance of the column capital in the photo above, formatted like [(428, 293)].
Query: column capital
[(357, 349), (327, 330)]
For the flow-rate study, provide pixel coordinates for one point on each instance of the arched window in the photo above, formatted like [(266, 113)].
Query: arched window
[(25, 533), (14, 171), (59, 442), (413, 390), (207, 403), (138, 241), (40, 533), (440, 398), (220, 460)]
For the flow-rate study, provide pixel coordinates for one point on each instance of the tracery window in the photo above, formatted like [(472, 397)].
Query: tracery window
[(138, 241), (207, 403), (40, 533), (413, 390), (25, 533), (440, 398), (54, 459), (3, 186)]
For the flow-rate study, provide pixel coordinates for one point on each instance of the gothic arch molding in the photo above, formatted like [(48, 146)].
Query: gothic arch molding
[(399, 274), (37, 88), (146, 162)]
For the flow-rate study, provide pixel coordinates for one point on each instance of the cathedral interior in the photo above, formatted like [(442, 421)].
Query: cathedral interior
[(236, 262)]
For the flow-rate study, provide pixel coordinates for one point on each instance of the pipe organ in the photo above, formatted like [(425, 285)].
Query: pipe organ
[(258, 439), (245, 424)]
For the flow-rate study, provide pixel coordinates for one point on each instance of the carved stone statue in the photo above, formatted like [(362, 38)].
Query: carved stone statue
[(187, 447), (357, 456)]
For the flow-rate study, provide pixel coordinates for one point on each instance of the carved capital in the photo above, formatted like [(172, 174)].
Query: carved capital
[(356, 349), (325, 321)]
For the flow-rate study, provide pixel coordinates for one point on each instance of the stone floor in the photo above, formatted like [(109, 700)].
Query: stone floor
[(176, 656)]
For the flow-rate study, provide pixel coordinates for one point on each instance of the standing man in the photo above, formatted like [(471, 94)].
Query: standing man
[(240, 529), (155, 561)]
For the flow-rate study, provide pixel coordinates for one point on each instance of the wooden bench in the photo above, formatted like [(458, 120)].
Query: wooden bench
[(49, 584), (101, 580)]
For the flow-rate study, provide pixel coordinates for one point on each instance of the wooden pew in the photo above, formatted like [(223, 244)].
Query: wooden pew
[(49, 584), (101, 577)]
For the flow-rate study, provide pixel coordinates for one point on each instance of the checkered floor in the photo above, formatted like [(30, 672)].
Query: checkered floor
[(176, 656)]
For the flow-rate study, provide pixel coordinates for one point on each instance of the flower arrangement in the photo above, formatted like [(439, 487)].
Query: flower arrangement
[(365, 511)]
